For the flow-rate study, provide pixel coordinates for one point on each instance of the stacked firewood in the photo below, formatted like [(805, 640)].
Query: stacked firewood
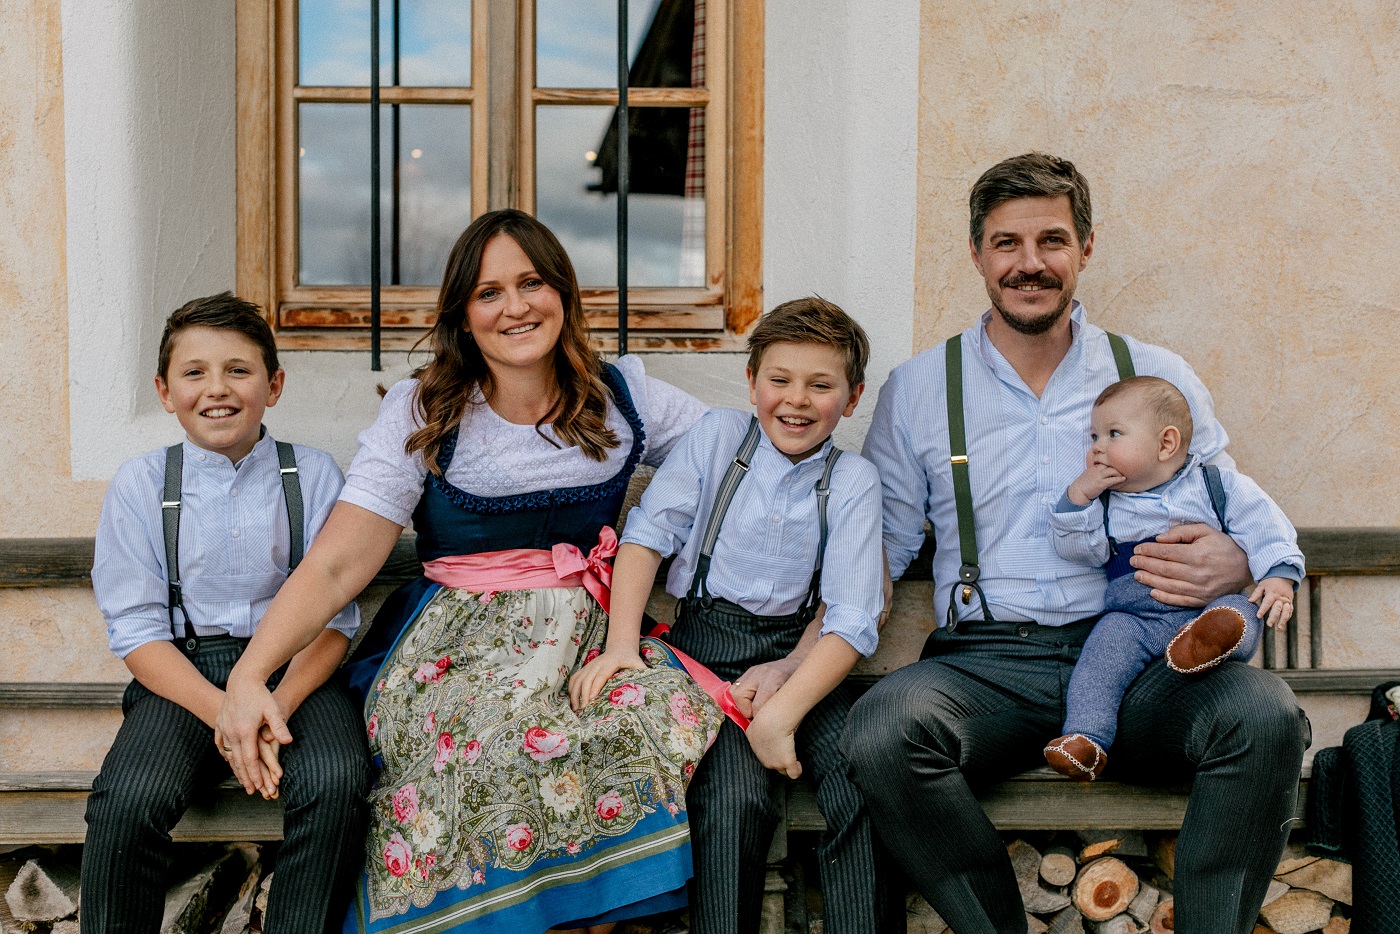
[(224, 891), (1120, 882)]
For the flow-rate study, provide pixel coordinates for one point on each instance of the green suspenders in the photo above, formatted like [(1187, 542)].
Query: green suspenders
[(170, 529), (970, 572)]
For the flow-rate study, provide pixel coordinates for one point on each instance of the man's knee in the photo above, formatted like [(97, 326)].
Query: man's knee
[(1254, 711), (895, 717)]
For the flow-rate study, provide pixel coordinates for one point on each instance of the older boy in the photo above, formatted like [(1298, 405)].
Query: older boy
[(193, 543), (1140, 468), (767, 520)]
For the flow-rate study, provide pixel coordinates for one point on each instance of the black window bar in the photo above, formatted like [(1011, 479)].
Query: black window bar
[(624, 127)]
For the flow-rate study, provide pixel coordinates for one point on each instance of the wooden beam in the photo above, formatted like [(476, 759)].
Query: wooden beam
[(1357, 550)]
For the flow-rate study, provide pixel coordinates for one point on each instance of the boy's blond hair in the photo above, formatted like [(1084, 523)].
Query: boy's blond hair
[(1163, 400), (812, 320)]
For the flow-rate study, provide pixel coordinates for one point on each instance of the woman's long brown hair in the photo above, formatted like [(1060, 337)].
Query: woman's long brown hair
[(446, 383)]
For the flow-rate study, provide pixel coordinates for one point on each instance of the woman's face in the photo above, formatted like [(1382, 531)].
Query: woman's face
[(512, 314)]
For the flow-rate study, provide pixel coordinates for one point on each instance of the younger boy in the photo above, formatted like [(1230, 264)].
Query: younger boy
[(234, 508), (1139, 467), (802, 527)]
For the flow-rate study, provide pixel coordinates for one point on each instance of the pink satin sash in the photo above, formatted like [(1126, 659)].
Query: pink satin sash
[(530, 569), (564, 566)]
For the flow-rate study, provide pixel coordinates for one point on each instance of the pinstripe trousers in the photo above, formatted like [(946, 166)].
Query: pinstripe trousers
[(164, 755), (981, 705), (732, 810)]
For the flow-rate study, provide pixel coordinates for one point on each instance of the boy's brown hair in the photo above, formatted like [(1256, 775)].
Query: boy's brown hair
[(1163, 400), (812, 320), (227, 312)]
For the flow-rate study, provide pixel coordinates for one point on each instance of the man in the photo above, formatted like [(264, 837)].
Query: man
[(989, 691)]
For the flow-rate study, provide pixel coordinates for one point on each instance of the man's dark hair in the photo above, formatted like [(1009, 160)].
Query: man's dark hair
[(225, 311), (1033, 175), (812, 320)]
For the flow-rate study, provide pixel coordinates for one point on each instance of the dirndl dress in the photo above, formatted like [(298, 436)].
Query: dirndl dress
[(497, 808)]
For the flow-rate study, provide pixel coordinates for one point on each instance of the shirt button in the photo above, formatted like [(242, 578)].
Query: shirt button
[(1045, 419), (232, 492), (1045, 459), (776, 520), (235, 533)]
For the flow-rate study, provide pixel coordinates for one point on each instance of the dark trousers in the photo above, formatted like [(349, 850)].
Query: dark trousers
[(731, 798), (981, 706), (163, 754)]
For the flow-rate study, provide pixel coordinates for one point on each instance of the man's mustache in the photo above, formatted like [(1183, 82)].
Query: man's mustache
[(1044, 281)]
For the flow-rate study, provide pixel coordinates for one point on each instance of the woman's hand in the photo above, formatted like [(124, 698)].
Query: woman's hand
[(238, 732), (587, 683)]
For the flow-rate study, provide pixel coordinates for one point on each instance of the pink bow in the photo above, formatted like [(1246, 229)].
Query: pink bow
[(595, 569)]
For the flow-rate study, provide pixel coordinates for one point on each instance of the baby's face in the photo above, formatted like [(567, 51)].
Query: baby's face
[(1126, 437)]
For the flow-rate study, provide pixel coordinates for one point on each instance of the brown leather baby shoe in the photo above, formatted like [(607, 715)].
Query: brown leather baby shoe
[(1076, 757), (1206, 641)]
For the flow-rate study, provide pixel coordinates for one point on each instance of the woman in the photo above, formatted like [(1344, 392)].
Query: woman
[(497, 807)]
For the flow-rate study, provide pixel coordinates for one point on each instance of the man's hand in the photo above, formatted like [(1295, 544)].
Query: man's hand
[(1090, 485), (1191, 565), (756, 687), (1275, 598), (770, 737), (247, 707), (587, 683)]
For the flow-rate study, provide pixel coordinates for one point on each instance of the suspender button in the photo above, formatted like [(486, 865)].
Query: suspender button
[(966, 594)]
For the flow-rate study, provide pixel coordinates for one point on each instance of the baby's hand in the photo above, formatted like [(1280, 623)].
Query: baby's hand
[(1275, 598), (772, 742), (587, 683), (1096, 478)]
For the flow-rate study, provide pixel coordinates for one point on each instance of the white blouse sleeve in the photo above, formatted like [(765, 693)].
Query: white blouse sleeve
[(382, 478), (667, 412)]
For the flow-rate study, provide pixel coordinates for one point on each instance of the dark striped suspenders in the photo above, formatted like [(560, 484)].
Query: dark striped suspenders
[(170, 529), (970, 572)]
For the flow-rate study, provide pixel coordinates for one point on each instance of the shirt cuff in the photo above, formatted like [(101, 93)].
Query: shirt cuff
[(640, 530), (135, 633), (1287, 571), (356, 496), (859, 629), (1067, 505), (347, 621)]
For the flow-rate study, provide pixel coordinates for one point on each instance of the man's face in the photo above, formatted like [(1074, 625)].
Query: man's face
[(1030, 259)]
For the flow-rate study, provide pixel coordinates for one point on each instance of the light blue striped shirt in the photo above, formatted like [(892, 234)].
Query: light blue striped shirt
[(767, 546), (1256, 522), (1023, 452), (234, 543)]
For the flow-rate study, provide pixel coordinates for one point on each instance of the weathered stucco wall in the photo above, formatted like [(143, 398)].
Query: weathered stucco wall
[(38, 496), (1243, 164)]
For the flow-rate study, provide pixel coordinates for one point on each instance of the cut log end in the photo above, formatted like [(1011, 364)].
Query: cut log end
[(1163, 920), (1105, 888)]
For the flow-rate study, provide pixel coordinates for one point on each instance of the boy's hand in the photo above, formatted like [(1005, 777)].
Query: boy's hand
[(1275, 598), (772, 740), (1096, 478), (587, 683)]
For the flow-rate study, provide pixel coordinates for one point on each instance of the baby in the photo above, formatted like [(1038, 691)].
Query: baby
[(1139, 468)]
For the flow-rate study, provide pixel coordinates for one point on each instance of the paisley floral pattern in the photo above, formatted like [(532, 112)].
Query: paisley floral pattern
[(489, 776)]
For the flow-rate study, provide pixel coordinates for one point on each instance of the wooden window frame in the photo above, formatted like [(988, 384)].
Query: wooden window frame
[(659, 319)]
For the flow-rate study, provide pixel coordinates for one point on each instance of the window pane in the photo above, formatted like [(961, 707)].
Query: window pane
[(576, 185), (576, 44), (434, 43), (433, 204)]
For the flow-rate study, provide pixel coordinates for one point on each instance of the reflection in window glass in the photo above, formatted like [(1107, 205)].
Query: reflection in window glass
[(434, 203), (576, 43), (435, 43), (576, 179)]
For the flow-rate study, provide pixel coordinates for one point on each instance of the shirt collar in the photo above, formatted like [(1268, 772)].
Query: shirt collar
[(1193, 462), (198, 455), (766, 444)]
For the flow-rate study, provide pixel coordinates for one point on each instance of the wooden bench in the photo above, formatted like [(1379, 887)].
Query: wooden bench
[(47, 807)]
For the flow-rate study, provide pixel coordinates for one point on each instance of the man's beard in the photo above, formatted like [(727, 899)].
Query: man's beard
[(1040, 324)]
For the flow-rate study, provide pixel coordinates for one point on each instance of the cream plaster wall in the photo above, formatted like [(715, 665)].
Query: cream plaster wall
[(1243, 161), (39, 495)]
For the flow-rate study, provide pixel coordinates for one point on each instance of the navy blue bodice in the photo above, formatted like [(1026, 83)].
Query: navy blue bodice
[(451, 521)]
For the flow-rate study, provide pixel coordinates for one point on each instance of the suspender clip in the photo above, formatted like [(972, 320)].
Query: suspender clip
[(170, 505), (287, 470), (968, 574), (958, 459)]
